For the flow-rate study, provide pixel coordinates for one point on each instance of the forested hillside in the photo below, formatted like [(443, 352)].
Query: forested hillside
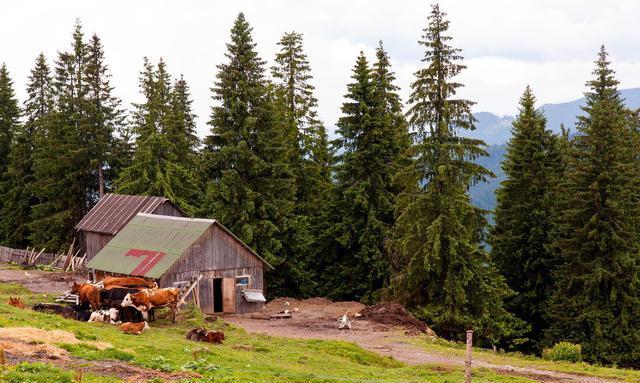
[(393, 207)]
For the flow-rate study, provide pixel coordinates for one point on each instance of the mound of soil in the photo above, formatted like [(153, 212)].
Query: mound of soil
[(393, 314)]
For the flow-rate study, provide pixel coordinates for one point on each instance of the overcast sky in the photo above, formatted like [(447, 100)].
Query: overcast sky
[(507, 44)]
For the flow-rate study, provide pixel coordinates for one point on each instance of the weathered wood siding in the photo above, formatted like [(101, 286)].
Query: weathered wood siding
[(166, 208), (92, 242), (217, 255)]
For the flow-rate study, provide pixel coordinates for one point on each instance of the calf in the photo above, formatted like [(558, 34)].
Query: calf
[(106, 316), (149, 298), (128, 282), (87, 293), (134, 328)]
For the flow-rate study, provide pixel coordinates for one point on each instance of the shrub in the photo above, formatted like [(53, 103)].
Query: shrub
[(563, 352)]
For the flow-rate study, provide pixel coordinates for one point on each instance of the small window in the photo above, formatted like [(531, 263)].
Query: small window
[(242, 280)]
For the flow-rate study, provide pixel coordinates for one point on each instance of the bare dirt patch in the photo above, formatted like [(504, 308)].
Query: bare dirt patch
[(39, 281), (33, 335)]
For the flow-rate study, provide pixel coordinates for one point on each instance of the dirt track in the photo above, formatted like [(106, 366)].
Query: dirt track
[(317, 319)]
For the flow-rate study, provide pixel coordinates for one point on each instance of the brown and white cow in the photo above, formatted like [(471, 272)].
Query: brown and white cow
[(134, 328), (108, 282), (149, 298), (87, 293)]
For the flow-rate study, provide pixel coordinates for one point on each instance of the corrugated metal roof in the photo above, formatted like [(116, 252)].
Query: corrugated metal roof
[(150, 244), (114, 211)]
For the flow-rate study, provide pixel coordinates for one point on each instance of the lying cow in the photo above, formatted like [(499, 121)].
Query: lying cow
[(78, 312), (147, 299), (107, 316), (128, 282), (134, 328), (201, 334), (87, 293)]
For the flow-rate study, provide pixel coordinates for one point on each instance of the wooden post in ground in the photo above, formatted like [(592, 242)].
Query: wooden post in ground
[(467, 362)]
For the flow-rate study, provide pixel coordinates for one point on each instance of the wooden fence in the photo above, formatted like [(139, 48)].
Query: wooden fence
[(68, 261)]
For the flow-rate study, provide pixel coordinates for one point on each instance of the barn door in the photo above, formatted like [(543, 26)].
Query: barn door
[(206, 295), (229, 295)]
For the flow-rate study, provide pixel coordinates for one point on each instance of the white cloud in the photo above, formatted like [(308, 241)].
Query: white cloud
[(508, 44)]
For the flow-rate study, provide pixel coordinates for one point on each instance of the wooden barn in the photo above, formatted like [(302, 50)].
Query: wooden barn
[(174, 250), (112, 213)]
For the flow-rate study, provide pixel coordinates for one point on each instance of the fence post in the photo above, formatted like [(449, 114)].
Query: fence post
[(467, 362)]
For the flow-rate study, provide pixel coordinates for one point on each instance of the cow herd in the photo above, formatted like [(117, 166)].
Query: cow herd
[(124, 299)]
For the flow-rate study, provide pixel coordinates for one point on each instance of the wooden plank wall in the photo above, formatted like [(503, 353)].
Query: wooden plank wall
[(94, 242), (8, 254), (166, 208), (218, 255)]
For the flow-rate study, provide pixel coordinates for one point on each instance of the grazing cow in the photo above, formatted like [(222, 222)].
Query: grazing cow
[(149, 298), (16, 302), (128, 282), (87, 293), (107, 316), (134, 328)]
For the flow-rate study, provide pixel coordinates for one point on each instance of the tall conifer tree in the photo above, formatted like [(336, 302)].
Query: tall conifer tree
[(18, 199), (156, 168), (308, 154), (597, 298), (251, 187), (446, 275), (61, 157), (533, 166), (372, 133), (9, 116), (9, 128), (105, 118)]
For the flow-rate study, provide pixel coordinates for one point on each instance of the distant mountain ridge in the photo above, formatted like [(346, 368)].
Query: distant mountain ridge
[(496, 130)]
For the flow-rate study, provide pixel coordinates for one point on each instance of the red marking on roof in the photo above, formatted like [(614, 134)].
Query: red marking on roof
[(151, 258)]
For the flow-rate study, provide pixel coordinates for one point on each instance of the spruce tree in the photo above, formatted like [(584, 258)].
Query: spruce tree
[(251, 188), (445, 275), (156, 168), (61, 157), (596, 302), (182, 132), (18, 197), (519, 239), (9, 115), (307, 152), (105, 118), (371, 137), (9, 128)]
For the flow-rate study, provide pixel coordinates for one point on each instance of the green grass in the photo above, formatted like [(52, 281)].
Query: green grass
[(519, 360), (244, 357)]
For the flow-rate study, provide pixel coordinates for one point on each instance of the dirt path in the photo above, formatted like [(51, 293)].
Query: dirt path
[(39, 281), (393, 344)]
